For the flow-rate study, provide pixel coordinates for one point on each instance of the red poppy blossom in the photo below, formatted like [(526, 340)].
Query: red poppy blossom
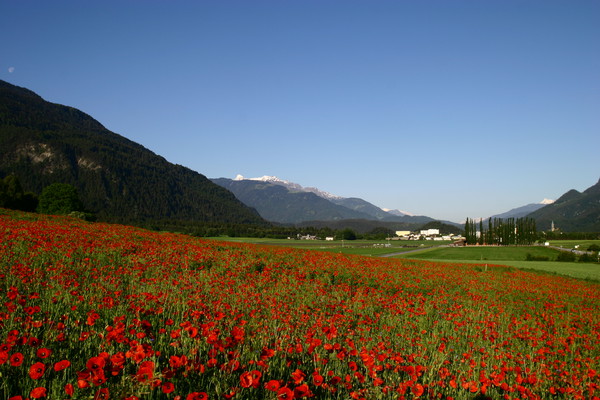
[(176, 361), (3, 356), (272, 385), (102, 394), (95, 363), (197, 396), (246, 380), (16, 359), (285, 393), (301, 391), (317, 379), (37, 370), (38, 393), (43, 352), (167, 387), (298, 376), (59, 366), (145, 372), (417, 390)]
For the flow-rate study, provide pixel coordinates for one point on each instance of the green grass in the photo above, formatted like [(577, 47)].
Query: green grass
[(570, 244), (511, 256), (483, 253)]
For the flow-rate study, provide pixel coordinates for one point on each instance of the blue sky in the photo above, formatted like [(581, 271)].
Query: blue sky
[(441, 108)]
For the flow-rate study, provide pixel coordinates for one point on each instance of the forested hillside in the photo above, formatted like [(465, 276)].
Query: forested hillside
[(573, 212), (119, 180)]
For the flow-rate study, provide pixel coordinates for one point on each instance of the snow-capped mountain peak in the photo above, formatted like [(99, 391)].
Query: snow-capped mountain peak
[(399, 213), (547, 201), (290, 185)]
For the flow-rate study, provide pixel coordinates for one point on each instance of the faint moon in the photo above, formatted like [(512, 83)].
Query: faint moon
[(11, 70)]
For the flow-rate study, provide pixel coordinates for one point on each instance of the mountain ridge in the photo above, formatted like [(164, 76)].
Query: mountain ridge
[(523, 211), (571, 212), (286, 202), (354, 203), (117, 179)]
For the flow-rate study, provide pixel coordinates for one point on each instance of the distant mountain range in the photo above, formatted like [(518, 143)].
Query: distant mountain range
[(287, 202), (523, 211), (119, 180)]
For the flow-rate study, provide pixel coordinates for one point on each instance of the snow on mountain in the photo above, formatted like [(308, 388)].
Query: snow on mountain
[(397, 212), (546, 201), (290, 185), (321, 193)]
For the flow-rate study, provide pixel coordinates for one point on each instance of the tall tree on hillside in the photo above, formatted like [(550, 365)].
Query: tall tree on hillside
[(59, 198), (12, 195)]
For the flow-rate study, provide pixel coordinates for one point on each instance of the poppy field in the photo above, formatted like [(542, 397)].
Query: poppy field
[(100, 311)]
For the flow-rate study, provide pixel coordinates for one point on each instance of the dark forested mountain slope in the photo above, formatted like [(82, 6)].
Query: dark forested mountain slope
[(573, 212), (119, 180)]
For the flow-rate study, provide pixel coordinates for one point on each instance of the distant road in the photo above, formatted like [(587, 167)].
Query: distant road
[(578, 252)]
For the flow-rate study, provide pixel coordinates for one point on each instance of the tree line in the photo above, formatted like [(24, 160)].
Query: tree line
[(502, 232)]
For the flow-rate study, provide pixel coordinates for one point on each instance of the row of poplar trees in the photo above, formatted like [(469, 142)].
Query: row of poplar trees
[(504, 232)]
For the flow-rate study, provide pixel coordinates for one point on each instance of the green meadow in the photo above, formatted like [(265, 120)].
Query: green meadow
[(512, 256)]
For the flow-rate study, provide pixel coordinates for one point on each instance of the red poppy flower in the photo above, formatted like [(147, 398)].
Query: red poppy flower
[(301, 391), (37, 370), (43, 352), (266, 353), (95, 363), (272, 385), (59, 366), (417, 390), (168, 387), (176, 361), (102, 394), (145, 372), (246, 380), (285, 393), (16, 359), (98, 378), (197, 396), (298, 376), (38, 393), (69, 389), (317, 380), (3, 356)]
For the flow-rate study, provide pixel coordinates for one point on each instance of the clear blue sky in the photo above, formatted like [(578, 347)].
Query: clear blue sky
[(441, 108)]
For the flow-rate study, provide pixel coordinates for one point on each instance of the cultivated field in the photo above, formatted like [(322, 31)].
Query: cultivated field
[(511, 256), (97, 311)]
